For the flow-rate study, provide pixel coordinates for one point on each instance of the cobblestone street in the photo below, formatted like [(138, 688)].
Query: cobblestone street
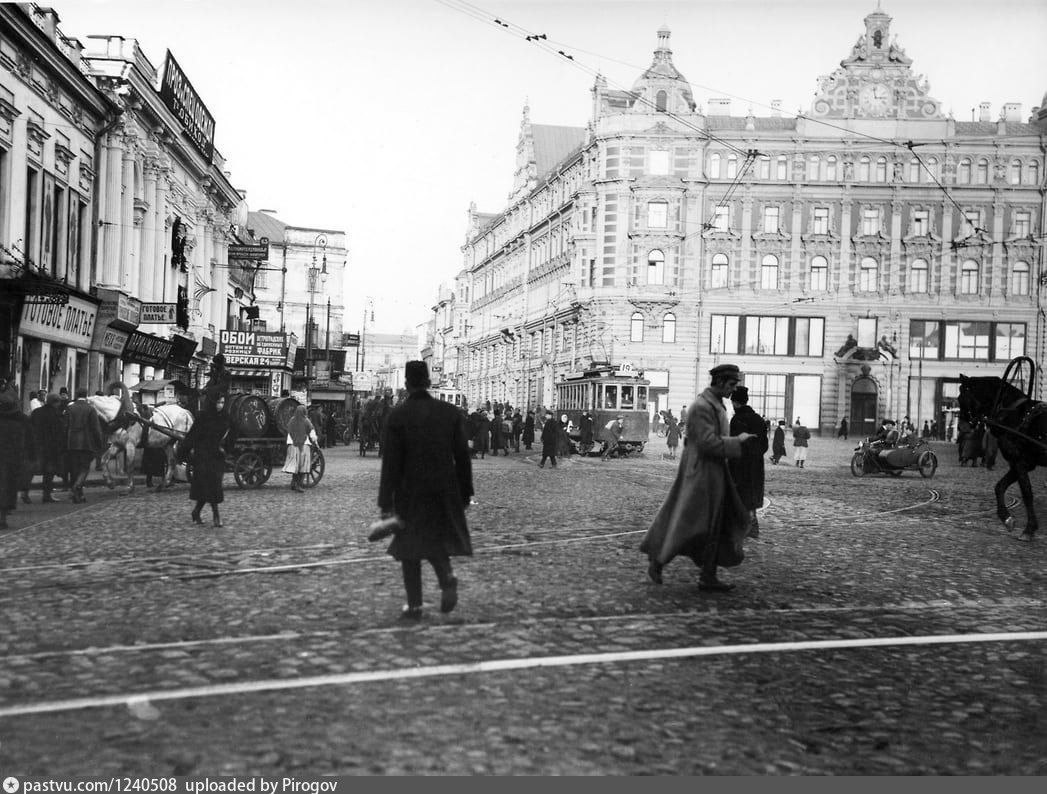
[(134, 642)]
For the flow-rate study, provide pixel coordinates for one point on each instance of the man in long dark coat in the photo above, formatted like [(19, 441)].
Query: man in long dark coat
[(702, 516), (778, 447), (518, 424), (498, 439), (586, 436), (84, 441), (427, 481), (12, 442), (50, 442), (747, 470), (550, 434), (528, 430)]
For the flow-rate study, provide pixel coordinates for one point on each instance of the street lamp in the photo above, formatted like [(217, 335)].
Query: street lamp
[(314, 274)]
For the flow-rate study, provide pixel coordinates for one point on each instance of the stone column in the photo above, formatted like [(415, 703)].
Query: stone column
[(163, 289), (127, 215), (148, 265), (109, 269)]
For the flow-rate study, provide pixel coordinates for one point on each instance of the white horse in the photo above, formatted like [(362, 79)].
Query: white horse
[(127, 435)]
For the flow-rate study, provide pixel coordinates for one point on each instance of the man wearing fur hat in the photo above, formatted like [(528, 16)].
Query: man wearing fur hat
[(426, 483)]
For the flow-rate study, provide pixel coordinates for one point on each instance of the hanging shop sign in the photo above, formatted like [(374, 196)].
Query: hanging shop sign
[(109, 340), (208, 347), (118, 309), (253, 348), (182, 350), (158, 313), (146, 349), (250, 253), (72, 323), (178, 94)]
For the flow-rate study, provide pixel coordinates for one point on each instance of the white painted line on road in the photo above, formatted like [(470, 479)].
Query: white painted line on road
[(501, 665)]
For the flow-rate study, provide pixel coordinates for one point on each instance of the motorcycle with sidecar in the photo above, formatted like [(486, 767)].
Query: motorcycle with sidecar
[(871, 458)]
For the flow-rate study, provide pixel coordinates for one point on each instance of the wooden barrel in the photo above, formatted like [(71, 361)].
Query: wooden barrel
[(282, 409), (248, 414)]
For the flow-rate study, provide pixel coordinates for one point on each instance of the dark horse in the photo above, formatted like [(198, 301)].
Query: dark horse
[(1020, 425)]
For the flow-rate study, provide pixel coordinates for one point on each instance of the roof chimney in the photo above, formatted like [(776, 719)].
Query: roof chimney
[(983, 111), (1012, 111), (776, 107), (719, 106), (47, 19)]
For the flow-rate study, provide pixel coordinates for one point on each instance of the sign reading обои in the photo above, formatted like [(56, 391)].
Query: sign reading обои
[(253, 348), (181, 99), (70, 324)]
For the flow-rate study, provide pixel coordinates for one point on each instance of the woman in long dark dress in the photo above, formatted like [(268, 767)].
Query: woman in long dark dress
[(203, 446)]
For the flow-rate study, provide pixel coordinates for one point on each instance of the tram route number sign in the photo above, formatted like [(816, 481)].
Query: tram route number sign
[(253, 348)]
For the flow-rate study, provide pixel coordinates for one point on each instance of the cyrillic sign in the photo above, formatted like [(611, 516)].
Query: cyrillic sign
[(158, 313), (70, 324), (146, 349), (178, 94), (249, 253), (253, 348)]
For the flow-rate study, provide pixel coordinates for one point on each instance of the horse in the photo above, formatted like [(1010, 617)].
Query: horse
[(126, 433), (1019, 424)]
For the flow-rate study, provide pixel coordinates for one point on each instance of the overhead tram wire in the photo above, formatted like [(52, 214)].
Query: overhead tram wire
[(541, 40)]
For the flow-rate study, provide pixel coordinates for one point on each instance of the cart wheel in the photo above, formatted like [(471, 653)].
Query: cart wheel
[(858, 464), (250, 470), (928, 464), (316, 469)]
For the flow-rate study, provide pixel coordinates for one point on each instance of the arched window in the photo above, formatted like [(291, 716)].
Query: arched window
[(868, 275), (932, 168), (969, 277), (814, 167), (863, 169), (1016, 172), (769, 272), (830, 169), (914, 170), (963, 172), (881, 169), (719, 275), (656, 267), (1032, 173), (636, 327), (917, 276), (669, 327), (661, 101), (819, 274), (714, 166), (782, 169), (1020, 279), (981, 175), (732, 166)]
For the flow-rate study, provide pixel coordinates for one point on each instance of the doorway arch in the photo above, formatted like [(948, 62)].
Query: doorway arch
[(864, 393)]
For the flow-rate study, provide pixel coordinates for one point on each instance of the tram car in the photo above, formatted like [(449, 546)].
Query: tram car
[(606, 392)]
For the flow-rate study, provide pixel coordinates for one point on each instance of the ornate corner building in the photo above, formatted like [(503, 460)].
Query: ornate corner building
[(852, 260)]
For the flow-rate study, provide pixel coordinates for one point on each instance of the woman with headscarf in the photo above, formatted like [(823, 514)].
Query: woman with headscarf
[(300, 436), (203, 447)]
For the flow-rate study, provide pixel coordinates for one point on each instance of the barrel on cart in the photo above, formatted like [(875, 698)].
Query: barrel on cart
[(257, 440)]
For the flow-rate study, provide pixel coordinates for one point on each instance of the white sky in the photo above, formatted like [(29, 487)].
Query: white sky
[(386, 118)]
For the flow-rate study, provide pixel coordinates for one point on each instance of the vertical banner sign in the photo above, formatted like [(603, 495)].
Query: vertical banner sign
[(178, 94), (276, 380)]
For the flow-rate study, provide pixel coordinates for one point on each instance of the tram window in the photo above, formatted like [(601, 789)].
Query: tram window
[(610, 397), (641, 397), (627, 397)]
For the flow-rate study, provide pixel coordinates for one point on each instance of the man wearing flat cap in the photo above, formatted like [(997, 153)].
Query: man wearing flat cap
[(747, 470), (702, 516), (427, 482)]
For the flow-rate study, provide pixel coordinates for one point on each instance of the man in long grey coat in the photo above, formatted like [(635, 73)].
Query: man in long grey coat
[(427, 482), (702, 517)]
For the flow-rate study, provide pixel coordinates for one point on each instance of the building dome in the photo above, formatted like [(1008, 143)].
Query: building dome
[(662, 85)]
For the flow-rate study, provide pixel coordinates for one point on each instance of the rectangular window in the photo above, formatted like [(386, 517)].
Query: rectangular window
[(821, 220), (866, 332), (610, 397), (918, 276), (722, 221), (920, 223), (967, 340), (658, 162), (767, 336), (870, 222), (1022, 224), (32, 215), (819, 275), (766, 394), (770, 220), (657, 214), (1010, 341), (924, 338), (765, 167)]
